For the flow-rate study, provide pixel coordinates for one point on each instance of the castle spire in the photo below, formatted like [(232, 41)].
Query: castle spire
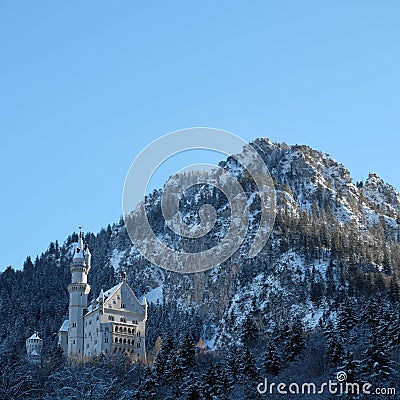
[(79, 249)]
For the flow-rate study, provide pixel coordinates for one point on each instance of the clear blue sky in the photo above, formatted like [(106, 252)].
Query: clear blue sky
[(84, 86)]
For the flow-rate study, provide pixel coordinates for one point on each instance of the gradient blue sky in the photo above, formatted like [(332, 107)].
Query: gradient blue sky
[(84, 86)]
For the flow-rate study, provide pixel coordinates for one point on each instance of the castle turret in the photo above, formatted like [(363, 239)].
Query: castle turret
[(34, 347), (78, 293)]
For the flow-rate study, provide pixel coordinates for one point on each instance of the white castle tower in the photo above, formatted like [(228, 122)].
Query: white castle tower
[(78, 295), (34, 347), (113, 323)]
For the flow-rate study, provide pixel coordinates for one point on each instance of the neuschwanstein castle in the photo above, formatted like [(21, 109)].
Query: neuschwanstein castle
[(114, 322)]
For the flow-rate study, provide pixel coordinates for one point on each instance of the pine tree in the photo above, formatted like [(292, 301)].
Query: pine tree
[(174, 370), (148, 387), (350, 366), (232, 363), (293, 341), (191, 387), (164, 357), (272, 363), (216, 385), (210, 384), (346, 319), (248, 369), (393, 335), (334, 350), (376, 362), (394, 289), (316, 288), (330, 281), (187, 351), (250, 329)]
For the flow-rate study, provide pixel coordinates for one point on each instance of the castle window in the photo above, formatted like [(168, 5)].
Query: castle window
[(106, 329), (138, 333), (129, 342), (129, 330), (120, 329), (123, 305), (97, 318), (138, 345), (90, 322), (124, 341), (106, 340), (74, 324), (125, 330), (120, 340), (116, 340), (73, 342)]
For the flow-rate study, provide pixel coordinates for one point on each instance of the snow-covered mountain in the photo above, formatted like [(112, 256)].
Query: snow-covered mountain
[(326, 225), (322, 296)]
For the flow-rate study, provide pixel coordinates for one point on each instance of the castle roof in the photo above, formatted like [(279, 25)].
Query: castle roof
[(79, 250), (78, 253), (104, 297), (111, 291), (64, 326), (35, 336)]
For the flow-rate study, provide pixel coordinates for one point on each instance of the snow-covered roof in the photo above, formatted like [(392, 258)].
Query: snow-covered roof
[(111, 291), (79, 252), (104, 296), (107, 295), (64, 326), (35, 336)]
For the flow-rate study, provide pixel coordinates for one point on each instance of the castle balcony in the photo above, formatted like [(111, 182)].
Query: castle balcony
[(79, 287), (125, 330)]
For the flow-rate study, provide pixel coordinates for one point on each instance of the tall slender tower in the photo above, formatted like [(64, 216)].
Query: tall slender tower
[(78, 293)]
